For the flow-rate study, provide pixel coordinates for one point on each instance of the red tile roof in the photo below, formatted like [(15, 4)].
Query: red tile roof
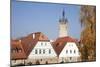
[(16, 44), (61, 42), (27, 43)]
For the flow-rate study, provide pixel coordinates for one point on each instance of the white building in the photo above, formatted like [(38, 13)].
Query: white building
[(43, 52), (32, 49), (67, 50)]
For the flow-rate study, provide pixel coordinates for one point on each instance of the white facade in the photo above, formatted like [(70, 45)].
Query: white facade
[(70, 53), (17, 62), (62, 29), (42, 50)]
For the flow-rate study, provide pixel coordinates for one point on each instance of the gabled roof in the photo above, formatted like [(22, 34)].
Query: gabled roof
[(16, 44), (28, 43), (60, 43)]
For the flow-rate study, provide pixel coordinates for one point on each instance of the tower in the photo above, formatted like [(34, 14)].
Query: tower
[(63, 25)]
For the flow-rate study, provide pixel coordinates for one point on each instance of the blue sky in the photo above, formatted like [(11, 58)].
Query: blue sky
[(29, 17)]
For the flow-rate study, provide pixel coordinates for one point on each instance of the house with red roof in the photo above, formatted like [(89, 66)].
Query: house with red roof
[(18, 55), (67, 50), (35, 47), (66, 46)]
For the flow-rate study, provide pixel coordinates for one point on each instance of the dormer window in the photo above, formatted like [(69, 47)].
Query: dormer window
[(13, 50), (20, 50), (16, 50)]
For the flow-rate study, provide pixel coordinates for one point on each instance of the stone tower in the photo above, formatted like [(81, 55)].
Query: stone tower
[(63, 25)]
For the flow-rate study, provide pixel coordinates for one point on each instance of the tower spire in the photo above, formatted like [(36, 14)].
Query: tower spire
[(63, 18), (63, 25), (63, 14)]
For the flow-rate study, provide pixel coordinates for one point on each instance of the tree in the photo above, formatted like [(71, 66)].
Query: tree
[(88, 34)]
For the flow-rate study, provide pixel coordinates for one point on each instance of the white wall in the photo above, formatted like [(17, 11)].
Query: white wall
[(45, 46), (67, 56), (70, 46)]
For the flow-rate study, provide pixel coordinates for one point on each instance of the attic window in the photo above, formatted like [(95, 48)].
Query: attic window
[(16, 49), (20, 50), (13, 50)]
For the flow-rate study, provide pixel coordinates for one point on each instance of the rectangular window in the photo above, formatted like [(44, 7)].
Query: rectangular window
[(66, 51), (44, 51), (41, 44), (40, 51), (36, 51), (49, 51), (45, 44), (74, 51), (70, 51)]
